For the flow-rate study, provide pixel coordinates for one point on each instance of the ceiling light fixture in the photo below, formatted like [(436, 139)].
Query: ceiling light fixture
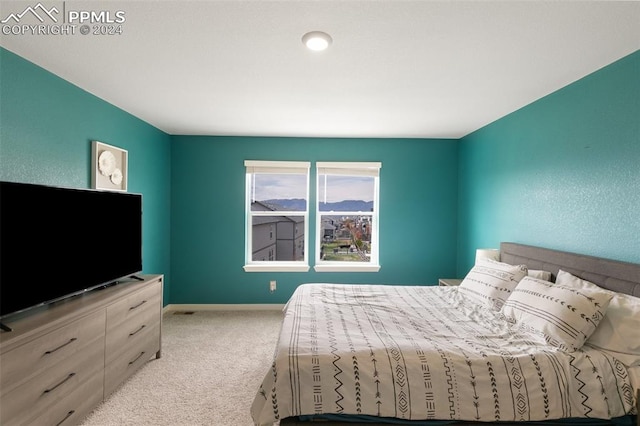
[(317, 40)]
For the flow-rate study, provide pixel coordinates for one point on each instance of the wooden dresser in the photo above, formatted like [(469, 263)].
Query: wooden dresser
[(60, 361)]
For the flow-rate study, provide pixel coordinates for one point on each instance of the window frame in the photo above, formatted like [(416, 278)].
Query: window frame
[(275, 167), (371, 169)]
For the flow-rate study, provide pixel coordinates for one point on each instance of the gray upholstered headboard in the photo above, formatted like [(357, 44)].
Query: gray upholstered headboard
[(618, 276)]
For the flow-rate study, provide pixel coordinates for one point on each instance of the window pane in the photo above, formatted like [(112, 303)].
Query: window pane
[(346, 193), (277, 238), (272, 191), (346, 238)]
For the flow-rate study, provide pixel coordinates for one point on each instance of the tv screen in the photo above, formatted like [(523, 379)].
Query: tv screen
[(57, 242)]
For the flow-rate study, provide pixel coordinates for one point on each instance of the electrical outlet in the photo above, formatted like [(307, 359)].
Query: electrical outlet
[(272, 286)]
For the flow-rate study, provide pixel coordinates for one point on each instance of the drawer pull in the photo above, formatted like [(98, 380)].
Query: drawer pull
[(69, 414), (73, 339), (137, 358), (60, 384), (137, 331), (138, 305)]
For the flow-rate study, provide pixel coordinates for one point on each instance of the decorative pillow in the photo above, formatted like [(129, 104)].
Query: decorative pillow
[(539, 274), (619, 331), (563, 316), (490, 282)]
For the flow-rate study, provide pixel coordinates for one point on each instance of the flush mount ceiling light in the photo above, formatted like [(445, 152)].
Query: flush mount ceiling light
[(316, 40)]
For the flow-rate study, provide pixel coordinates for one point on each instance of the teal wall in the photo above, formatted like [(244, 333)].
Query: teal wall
[(46, 129), (418, 187), (562, 172)]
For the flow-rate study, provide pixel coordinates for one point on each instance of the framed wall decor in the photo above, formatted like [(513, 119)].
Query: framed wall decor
[(108, 167)]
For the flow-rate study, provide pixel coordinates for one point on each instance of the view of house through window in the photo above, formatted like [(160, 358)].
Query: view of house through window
[(277, 206), (277, 213)]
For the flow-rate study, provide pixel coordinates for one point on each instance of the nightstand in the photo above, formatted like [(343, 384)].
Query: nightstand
[(447, 282)]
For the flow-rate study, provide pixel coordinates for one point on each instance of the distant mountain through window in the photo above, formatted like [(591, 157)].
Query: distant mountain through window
[(298, 204)]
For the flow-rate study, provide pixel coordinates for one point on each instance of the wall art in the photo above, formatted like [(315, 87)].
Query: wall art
[(109, 167)]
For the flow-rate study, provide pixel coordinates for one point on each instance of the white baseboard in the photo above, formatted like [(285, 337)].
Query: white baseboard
[(223, 307)]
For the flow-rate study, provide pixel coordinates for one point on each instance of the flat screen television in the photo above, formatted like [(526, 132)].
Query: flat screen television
[(60, 242)]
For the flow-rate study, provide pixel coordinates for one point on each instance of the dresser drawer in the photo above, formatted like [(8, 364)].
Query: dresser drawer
[(131, 358), (35, 356), (44, 390), (73, 408), (131, 306), (124, 334)]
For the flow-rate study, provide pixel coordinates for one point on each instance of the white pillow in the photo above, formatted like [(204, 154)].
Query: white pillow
[(539, 274), (619, 331), (564, 317), (490, 282)]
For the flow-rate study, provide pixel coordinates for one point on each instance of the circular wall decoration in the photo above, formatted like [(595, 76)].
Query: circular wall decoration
[(116, 177), (107, 163)]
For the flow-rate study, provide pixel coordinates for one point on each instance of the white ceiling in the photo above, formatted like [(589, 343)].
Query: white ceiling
[(438, 69)]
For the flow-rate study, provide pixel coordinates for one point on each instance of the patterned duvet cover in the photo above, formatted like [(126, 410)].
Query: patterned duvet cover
[(420, 353)]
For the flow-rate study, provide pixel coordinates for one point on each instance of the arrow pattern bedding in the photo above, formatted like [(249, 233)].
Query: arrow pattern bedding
[(416, 353)]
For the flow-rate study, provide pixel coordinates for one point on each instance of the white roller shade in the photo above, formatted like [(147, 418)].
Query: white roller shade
[(348, 169), (290, 167)]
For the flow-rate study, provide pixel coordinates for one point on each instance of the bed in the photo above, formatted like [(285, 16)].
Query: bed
[(540, 336)]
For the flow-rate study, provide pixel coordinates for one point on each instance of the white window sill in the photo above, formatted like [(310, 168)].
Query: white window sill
[(276, 268), (347, 268)]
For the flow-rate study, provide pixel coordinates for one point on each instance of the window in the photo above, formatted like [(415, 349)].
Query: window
[(347, 208), (277, 213)]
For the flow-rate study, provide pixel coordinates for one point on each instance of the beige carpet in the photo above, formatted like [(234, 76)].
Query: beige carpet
[(211, 367)]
